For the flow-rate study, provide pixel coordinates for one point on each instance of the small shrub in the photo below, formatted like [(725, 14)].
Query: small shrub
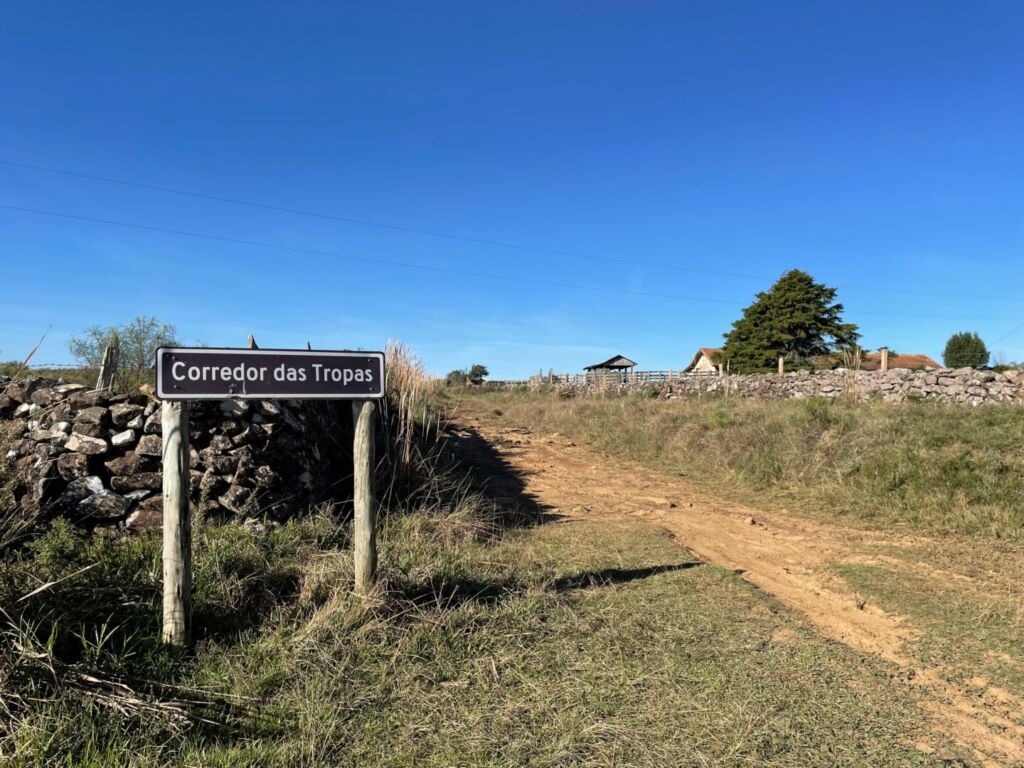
[(965, 350)]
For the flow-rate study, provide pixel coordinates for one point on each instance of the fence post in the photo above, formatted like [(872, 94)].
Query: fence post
[(365, 514), (177, 543), (782, 365), (108, 366), (884, 351)]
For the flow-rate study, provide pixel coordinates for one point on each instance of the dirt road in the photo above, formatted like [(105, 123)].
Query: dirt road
[(786, 556)]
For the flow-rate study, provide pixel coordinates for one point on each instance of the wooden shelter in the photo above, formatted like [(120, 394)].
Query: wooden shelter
[(616, 363), (616, 367)]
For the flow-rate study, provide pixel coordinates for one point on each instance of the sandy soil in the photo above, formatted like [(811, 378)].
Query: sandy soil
[(784, 555)]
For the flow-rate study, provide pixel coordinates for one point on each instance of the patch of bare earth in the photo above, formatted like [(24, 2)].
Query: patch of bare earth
[(787, 556)]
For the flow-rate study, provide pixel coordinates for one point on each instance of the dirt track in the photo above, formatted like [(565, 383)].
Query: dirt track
[(784, 555)]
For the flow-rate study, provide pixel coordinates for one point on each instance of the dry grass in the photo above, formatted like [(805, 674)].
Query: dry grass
[(945, 468)]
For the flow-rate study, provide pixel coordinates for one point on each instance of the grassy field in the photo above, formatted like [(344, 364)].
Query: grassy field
[(581, 643), (567, 644), (943, 468)]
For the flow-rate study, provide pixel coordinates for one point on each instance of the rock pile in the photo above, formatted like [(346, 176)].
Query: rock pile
[(965, 386), (94, 457)]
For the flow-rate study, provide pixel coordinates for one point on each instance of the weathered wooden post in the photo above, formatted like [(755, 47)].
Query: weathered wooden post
[(363, 412), (108, 366), (177, 544), (782, 365), (884, 351)]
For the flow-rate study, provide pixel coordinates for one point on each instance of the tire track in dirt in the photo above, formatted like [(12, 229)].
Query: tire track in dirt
[(786, 556)]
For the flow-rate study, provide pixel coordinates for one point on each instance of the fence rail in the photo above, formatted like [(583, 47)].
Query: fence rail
[(595, 378)]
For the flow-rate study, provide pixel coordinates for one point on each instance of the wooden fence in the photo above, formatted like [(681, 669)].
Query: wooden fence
[(597, 378)]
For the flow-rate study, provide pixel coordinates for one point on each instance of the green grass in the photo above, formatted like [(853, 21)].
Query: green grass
[(568, 644), (936, 467), (969, 633)]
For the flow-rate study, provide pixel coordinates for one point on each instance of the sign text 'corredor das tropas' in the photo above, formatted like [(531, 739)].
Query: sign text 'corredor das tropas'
[(205, 373)]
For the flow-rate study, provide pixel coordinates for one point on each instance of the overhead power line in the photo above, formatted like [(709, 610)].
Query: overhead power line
[(467, 239), (423, 267), (1007, 335)]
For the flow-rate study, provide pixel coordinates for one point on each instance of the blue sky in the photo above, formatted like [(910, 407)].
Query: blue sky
[(878, 145)]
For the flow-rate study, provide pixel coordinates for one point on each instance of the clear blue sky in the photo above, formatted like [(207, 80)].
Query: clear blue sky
[(878, 145)]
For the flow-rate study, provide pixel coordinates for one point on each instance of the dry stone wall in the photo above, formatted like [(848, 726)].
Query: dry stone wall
[(94, 457), (961, 385)]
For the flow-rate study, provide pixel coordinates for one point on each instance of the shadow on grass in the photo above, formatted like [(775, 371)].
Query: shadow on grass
[(448, 594), (609, 576), (497, 479)]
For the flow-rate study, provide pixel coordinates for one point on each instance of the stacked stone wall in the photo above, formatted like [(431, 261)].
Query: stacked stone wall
[(94, 457), (965, 386)]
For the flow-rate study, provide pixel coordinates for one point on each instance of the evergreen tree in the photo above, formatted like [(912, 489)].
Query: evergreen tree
[(796, 318), (965, 350)]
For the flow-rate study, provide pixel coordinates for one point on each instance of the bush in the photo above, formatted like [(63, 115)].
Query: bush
[(965, 350), (138, 342)]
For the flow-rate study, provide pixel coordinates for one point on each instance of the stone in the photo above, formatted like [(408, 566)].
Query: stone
[(22, 410), (234, 408), (79, 490), (137, 423), (139, 495), (212, 485), (250, 434), (21, 391), (122, 413), (94, 446), (44, 397), (148, 516), (88, 399), (94, 415), (269, 408), (61, 426), (131, 463), (236, 499), (69, 389), (105, 505), (40, 435), (222, 465), (154, 424), (266, 478), (122, 439), (89, 429), (151, 445), (150, 481), (219, 444)]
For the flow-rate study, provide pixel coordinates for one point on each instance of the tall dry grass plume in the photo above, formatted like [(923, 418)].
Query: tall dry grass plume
[(407, 408), (851, 365)]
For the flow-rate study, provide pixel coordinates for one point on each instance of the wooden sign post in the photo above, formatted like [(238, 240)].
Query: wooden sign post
[(184, 374), (177, 550), (365, 511)]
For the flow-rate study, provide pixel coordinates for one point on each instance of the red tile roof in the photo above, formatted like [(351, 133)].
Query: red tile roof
[(873, 361)]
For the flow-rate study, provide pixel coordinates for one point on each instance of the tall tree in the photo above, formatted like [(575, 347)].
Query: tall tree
[(965, 350), (796, 318)]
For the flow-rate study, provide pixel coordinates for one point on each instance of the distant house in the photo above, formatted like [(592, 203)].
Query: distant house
[(619, 364), (704, 361), (872, 361)]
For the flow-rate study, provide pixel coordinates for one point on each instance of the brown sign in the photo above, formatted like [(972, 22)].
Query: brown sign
[(203, 373)]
